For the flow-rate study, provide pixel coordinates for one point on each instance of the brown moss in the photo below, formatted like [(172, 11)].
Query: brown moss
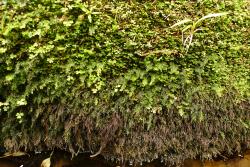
[(119, 136)]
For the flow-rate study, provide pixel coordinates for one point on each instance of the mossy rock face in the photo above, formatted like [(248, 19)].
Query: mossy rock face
[(113, 77)]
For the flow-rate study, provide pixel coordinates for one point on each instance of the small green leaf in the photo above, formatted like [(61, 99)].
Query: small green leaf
[(244, 124), (181, 112), (21, 102), (90, 52), (219, 90), (181, 22), (3, 50), (210, 16), (68, 23), (90, 18), (186, 28), (144, 82), (9, 77), (4, 104), (91, 30)]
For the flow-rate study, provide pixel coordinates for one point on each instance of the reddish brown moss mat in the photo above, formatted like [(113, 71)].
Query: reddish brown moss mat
[(171, 137)]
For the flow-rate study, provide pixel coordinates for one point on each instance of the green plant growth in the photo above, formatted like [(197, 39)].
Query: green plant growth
[(113, 78), (193, 27)]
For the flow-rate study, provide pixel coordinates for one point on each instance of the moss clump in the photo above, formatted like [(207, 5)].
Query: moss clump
[(113, 78)]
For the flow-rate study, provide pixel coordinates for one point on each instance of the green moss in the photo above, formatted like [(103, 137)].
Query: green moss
[(114, 75)]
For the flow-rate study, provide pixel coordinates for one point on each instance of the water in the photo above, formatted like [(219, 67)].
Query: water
[(62, 159)]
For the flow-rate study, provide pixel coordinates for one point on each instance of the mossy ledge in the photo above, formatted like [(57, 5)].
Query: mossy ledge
[(113, 78)]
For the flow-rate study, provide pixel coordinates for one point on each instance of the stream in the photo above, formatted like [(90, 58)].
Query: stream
[(63, 159)]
